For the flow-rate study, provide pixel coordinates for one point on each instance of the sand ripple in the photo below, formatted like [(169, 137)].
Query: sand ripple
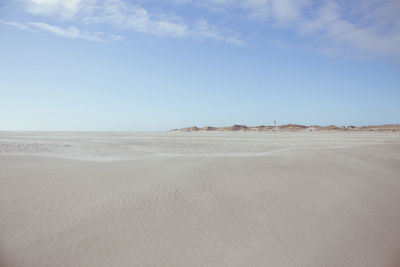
[(165, 200)]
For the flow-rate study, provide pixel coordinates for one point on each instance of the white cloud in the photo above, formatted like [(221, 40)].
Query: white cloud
[(370, 32), (121, 14), (69, 32), (126, 16), (368, 26), (18, 25), (64, 9), (203, 30), (279, 10)]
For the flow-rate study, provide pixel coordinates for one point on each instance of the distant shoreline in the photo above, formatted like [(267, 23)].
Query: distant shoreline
[(293, 128)]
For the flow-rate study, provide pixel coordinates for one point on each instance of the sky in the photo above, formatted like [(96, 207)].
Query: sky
[(147, 65)]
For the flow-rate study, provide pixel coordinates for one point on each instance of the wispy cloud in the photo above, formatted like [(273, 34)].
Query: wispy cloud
[(364, 30), (127, 16), (203, 30), (279, 10), (63, 9), (18, 25), (69, 32), (368, 26)]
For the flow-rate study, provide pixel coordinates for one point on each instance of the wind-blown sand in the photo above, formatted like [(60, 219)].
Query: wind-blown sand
[(200, 199)]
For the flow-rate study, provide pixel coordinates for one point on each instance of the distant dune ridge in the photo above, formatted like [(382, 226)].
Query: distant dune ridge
[(294, 127)]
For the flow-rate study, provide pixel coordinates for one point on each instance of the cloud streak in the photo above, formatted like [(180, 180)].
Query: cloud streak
[(368, 27), (372, 33), (69, 32), (127, 16)]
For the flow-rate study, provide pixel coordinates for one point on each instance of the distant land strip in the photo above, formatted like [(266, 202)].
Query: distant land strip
[(294, 127)]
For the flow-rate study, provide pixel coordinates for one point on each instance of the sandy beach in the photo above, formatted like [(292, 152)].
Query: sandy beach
[(309, 199)]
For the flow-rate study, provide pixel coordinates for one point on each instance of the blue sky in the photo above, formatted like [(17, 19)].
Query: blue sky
[(157, 65)]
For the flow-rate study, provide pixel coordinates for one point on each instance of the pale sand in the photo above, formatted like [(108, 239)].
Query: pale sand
[(200, 199)]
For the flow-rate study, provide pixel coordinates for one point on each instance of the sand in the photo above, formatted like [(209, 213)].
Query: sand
[(200, 199)]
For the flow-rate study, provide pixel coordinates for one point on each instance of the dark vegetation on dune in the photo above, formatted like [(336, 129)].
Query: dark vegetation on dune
[(295, 127)]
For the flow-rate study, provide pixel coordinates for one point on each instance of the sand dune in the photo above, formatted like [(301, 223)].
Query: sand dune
[(295, 128), (200, 199)]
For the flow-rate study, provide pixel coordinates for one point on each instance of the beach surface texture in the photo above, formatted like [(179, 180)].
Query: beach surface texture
[(200, 198)]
